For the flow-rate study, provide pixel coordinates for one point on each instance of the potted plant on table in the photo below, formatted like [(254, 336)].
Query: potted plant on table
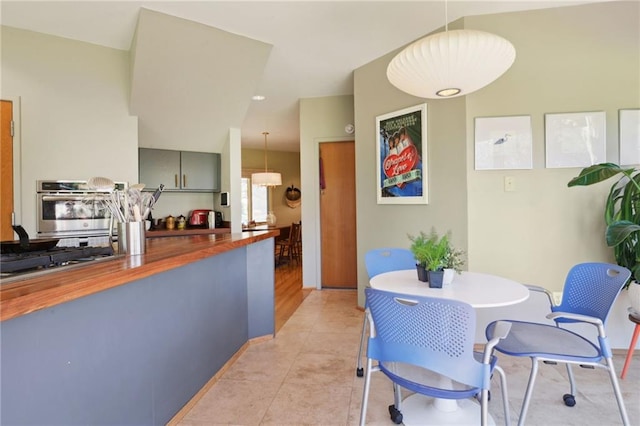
[(431, 253), (453, 262), (622, 217)]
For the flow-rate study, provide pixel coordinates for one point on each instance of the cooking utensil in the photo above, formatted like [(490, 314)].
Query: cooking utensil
[(152, 201), (138, 186), (24, 244), (101, 184), (134, 200)]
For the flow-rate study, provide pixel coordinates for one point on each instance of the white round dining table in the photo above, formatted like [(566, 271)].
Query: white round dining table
[(478, 290)]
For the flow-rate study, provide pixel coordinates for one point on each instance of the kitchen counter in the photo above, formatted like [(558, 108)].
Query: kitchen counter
[(29, 295), (132, 339)]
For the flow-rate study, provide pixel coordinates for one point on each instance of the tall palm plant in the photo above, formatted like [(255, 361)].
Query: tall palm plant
[(622, 211)]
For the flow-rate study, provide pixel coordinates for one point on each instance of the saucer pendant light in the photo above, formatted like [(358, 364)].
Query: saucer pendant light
[(450, 63), (266, 178)]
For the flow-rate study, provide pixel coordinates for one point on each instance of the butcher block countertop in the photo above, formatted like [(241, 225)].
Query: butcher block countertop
[(66, 284)]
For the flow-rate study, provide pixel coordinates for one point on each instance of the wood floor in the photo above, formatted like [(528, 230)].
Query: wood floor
[(289, 293)]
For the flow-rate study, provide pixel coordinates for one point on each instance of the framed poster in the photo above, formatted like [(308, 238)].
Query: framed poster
[(629, 137), (402, 156), (575, 139), (503, 143)]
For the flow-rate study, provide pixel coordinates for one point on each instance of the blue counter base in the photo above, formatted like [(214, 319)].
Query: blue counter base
[(135, 354)]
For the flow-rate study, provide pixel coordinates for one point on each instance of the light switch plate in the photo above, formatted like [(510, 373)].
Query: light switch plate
[(509, 184)]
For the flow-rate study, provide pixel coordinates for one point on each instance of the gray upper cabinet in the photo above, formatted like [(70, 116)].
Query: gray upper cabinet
[(179, 170)]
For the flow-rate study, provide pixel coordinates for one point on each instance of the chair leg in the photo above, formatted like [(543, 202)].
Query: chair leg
[(572, 383), (365, 394), (505, 395), (616, 391), (359, 370), (632, 346), (281, 254), (395, 410), (529, 391), (484, 407)]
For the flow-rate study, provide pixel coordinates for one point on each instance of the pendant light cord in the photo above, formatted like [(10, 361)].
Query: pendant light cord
[(265, 150), (446, 16)]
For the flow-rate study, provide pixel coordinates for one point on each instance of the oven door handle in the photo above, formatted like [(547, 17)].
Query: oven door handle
[(65, 198)]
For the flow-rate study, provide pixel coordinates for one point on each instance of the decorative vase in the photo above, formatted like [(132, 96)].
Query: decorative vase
[(435, 279), (448, 276), (634, 295), (422, 273), (271, 219)]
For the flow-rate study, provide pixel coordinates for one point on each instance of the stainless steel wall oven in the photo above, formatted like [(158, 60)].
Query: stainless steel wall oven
[(72, 212)]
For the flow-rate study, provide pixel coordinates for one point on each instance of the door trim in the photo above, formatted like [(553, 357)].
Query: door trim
[(316, 183), (17, 157)]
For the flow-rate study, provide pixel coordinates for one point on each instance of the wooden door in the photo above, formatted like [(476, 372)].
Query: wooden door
[(338, 215), (6, 170)]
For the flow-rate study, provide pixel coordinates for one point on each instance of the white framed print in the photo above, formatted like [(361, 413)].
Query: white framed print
[(503, 143), (401, 157), (575, 139), (629, 120)]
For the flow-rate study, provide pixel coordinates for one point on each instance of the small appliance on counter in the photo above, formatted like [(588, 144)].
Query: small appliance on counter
[(218, 219), (198, 218)]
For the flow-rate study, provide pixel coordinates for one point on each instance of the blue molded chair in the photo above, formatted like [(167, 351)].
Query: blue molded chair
[(589, 292), (434, 334), (377, 262)]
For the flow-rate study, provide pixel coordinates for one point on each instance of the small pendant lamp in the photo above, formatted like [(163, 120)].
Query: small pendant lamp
[(266, 178), (450, 63)]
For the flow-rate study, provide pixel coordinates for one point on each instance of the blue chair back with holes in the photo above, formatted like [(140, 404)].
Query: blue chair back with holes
[(383, 260), (591, 289), (433, 333)]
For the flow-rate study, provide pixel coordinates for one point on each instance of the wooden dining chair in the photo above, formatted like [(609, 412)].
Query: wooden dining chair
[(288, 248)]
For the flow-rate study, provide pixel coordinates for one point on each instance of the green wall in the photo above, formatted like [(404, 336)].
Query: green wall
[(572, 59)]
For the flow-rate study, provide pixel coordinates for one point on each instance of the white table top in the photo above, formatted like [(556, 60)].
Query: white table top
[(477, 289)]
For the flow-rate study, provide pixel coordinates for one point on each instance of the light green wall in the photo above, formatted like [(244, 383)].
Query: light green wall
[(288, 165), (582, 58), (572, 59), (321, 120), (389, 225), (71, 107)]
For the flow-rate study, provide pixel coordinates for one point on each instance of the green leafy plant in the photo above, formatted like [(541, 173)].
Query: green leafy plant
[(433, 252), (621, 213), (454, 259)]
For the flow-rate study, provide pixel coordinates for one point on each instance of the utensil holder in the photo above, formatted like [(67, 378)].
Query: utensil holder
[(131, 238)]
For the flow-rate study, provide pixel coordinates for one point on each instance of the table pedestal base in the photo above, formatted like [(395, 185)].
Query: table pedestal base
[(420, 410)]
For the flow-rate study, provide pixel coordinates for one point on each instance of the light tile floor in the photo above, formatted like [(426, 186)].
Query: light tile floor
[(306, 376)]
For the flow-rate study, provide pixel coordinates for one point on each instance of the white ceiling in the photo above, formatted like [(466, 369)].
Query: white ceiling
[(316, 44)]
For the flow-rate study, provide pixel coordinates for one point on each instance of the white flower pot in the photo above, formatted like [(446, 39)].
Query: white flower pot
[(448, 276), (634, 295)]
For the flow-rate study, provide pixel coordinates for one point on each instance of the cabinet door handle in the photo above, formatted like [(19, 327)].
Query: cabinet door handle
[(175, 177), (184, 181)]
